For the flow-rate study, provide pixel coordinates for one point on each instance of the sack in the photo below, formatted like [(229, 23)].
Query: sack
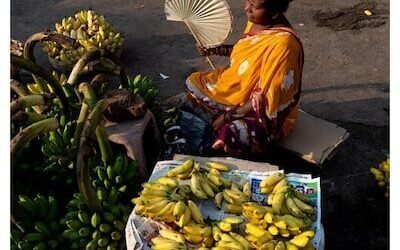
[(191, 135)]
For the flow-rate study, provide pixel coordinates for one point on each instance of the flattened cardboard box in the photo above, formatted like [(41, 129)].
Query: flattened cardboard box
[(314, 139)]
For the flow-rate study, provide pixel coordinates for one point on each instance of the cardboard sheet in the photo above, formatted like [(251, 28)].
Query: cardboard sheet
[(314, 139), (234, 163)]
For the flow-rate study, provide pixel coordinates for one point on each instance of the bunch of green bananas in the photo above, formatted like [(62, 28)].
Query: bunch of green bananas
[(93, 230), (115, 179), (382, 175), (40, 230), (144, 86), (90, 30)]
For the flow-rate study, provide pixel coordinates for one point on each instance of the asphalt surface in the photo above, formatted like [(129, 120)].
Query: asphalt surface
[(345, 81)]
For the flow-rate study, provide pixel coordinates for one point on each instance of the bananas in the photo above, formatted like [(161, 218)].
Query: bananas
[(42, 228), (144, 86), (283, 224), (382, 175), (90, 30)]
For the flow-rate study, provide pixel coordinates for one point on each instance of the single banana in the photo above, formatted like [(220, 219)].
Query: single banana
[(271, 180), (280, 245), (279, 185), (224, 226), (233, 245), (159, 240), (205, 186), (303, 206), (255, 230), (273, 230), (218, 166), (172, 235), (277, 202), (216, 233), (195, 187), (233, 219), (290, 246), (193, 238), (195, 212), (232, 208), (269, 245), (167, 210), (179, 208), (293, 209), (214, 178), (184, 218), (218, 200), (168, 181), (241, 240), (247, 189), (300, 241), (187, 166)]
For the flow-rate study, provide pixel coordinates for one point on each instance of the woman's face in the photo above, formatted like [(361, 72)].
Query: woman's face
[(256, 13)]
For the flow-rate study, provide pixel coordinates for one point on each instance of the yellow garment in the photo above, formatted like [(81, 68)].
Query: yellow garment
[(269, 63)]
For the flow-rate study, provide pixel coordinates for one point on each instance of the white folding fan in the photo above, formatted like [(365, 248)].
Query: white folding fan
[(209, 21)]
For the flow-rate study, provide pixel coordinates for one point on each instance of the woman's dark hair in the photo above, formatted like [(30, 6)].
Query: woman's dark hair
[(278, 6)]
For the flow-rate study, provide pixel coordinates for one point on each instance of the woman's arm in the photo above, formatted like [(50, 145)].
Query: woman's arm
[(233, 114), (222, 50)]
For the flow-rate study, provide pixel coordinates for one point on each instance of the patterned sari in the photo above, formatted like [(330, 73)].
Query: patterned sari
[(265, 68)]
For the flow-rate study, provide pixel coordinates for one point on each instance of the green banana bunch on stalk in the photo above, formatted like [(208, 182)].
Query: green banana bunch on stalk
[(90, 30), (117, 178), (40, 230), (84, 229), (382, 175), (144, 86)]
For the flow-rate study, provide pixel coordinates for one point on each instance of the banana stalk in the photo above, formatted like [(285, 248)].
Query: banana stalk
[(80, 122), (88, 93), (104, 65), (104, 144), (29, 101), (19, 88), (30, 117), (47, 76), (85, 148), (32, 131), (77, 70), (41, 37)]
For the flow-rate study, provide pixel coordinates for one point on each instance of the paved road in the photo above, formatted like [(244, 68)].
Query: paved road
[(346, 73), (345, 80)]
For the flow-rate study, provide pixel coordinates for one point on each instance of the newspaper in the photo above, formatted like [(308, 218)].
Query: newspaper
[(139, 230)]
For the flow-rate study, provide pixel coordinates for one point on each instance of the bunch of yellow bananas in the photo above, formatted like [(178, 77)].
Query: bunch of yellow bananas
[(162, 200), (90, 30), (286, 200), (382, 175), (231, 199)]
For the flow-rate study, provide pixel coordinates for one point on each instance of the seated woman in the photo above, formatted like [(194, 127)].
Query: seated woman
[(255, 101)]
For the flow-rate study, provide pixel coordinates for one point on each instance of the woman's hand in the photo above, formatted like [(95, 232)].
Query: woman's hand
[(225, 118), (219, 122)]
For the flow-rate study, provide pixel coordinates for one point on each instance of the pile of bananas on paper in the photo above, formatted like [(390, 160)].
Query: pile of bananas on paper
[(248, 225), (90, 30), (382, 175)]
